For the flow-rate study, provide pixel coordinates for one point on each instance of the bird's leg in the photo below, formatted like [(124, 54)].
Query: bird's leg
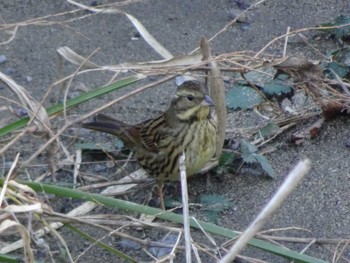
[(161, 197)]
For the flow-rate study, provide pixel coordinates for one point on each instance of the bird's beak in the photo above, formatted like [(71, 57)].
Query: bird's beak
[(207, 101)]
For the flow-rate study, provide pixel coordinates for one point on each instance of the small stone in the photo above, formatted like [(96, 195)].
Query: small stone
[(136, 36), (83, 132), (29, 78), (110, 164), (94, 3), (235, 12), (244, 26), (7, 165), (299, 100), (22, 112), (73, 94), (287, 106), (119, 144), (226, 79), (347, 142), (242, 4), (99, 168), (9, 71), (162, 251), (3, 59), (25, 139), (129, 244), (234, 144), (179, 80)]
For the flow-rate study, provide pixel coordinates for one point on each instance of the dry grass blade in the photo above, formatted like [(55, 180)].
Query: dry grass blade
[(37, 208), (149, 38), (175, 64), (8, 225), (294, 177), (185, 209), (217, 93), (161, 50), (84, 208), (188, 61), (77, 163), (37, 113), (12, 34), (6, 182), (95, 10), (75, 58), (337, 258)]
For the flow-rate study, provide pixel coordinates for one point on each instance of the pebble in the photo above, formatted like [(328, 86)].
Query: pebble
[(242, 4), (3, 59), (226, 79), (83, 132), (25, 139), (234, 144), (162, 251), (22, 112), (99, 168), (235, 12), (119, 144), (179, 80), (129, 244), (73, 94), (287, 105), (244, 26), (299, 100), (94, 3), (7, 165), (9, 71), (347, 142)]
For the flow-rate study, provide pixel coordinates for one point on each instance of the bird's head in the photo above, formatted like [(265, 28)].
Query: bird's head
[(190, 103)]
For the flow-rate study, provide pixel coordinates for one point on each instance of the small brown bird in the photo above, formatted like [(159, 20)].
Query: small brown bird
[(189, 125)]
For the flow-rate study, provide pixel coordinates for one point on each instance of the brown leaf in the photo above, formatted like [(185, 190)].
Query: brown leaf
[(310, 132), (300, 69), (332, 109), (217, 93)]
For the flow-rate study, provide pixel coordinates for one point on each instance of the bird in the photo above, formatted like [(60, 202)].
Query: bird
[(189, 125)]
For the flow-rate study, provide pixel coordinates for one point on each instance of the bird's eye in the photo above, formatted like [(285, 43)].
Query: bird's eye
[(190, 97)]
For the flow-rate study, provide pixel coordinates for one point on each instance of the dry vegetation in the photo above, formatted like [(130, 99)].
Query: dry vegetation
[(24, 210)]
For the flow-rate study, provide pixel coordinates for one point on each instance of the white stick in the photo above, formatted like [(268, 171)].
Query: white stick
[(185, 209), (286, 188)]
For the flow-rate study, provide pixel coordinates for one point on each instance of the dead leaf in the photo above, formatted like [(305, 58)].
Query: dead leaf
[(299, 68), (217, 93)]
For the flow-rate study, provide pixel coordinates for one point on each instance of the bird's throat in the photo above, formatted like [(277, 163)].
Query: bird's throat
[(193, 114)]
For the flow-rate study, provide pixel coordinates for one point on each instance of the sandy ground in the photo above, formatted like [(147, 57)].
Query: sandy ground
[(320, 204)]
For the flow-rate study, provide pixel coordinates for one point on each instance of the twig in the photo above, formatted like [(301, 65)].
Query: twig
[(286, 42), (184, 193), (283, 192), (3, 190), (217, 93), (80, 119), (297, 32), (71, 80), (227, 26), (340, 82)]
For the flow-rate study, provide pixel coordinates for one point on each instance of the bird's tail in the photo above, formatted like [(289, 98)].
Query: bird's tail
[(107, 124)]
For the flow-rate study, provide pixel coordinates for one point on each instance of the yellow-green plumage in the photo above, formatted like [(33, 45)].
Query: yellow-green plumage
[(190, 125)]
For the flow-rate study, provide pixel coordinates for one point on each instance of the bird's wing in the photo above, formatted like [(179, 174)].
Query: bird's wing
[(152, 132)]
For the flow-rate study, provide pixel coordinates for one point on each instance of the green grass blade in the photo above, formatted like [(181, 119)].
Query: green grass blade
[(8, 259), (132, 207), (75, 101), (101, 244)]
